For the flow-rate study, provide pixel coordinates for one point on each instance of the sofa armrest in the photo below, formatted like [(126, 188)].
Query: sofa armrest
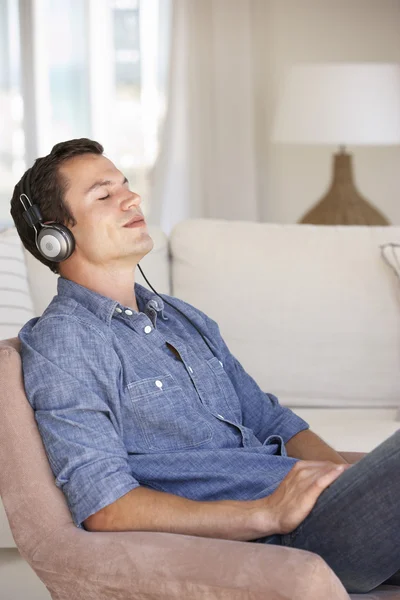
[(353, 457), (166, 566)]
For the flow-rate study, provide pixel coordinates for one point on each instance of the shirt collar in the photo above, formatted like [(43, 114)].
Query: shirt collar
[(102, 306)]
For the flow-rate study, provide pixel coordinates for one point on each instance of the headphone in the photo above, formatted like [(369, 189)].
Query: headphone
[(54, 241)]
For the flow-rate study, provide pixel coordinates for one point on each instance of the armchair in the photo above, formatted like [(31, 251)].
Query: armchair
[(81, 565)]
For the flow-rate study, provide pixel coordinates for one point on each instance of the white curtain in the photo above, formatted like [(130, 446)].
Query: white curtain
[(207, 166)]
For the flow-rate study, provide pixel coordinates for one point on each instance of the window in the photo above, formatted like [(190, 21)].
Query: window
[(12, 143), (98, 70)]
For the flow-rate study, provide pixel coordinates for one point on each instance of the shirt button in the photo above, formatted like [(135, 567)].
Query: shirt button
[(159, 383), (190, 369), (147, 329), (220, 363), (118, 309), (128, 312), (221, 417)]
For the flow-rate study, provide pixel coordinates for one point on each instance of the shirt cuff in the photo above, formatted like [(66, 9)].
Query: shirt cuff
[(93, 495), (291, 425)]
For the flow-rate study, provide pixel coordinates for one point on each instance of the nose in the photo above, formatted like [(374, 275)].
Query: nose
[(130, 201)]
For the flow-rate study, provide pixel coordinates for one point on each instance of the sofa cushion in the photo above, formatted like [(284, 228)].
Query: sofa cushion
[(16, 306), (351, 429), (311, 312)]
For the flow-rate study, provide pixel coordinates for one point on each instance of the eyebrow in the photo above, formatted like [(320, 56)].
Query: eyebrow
[(103, 183)]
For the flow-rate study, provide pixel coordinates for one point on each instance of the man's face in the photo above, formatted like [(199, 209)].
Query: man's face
[(99, 198)]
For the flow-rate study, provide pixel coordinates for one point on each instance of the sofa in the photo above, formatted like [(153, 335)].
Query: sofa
[(319, 327)]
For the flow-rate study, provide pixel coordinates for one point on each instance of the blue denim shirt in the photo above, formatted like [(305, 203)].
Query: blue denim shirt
[(117, 408)]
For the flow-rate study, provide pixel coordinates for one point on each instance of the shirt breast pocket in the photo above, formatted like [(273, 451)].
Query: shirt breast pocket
[(162, 417)]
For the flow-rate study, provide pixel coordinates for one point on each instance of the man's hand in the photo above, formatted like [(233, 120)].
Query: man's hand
[(295, 497)]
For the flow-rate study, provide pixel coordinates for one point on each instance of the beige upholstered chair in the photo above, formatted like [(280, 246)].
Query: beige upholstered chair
[(81, 565)]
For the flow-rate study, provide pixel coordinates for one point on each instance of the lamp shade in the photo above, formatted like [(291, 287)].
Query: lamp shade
[(341, 104)]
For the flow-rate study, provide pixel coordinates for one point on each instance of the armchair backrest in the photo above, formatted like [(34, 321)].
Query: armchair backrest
[(34, 505)]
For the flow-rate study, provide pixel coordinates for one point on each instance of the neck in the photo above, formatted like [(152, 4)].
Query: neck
[(115, 283)]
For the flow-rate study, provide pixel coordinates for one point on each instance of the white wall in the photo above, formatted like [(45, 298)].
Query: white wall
[(286, 31)]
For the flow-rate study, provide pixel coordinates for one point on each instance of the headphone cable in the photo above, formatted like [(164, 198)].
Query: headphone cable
[(164, 300)]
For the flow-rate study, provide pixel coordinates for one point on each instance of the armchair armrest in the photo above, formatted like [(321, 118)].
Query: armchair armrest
[(159, 566)]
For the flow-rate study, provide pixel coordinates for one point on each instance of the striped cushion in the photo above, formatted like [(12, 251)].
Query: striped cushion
[(16, 306)]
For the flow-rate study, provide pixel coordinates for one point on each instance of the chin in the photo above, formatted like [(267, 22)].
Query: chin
[(151, 241), (148, 240), (144, 245)]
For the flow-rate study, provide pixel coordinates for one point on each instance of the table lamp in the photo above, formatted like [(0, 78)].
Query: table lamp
[(343, 104)]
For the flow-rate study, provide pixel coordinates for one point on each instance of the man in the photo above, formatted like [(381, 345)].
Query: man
[(150, 423)]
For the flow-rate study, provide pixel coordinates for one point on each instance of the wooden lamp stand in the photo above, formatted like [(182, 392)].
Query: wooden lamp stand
[(343, 205)]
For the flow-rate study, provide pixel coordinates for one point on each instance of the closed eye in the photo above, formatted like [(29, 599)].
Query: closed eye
[(125, 182)]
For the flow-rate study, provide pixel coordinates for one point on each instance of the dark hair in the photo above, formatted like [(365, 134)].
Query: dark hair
[(48, 187)]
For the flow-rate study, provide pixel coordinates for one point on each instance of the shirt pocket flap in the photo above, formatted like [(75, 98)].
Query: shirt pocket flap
[(151, 385)]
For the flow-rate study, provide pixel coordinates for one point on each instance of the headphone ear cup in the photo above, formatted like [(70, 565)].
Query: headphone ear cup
[(55, 242)]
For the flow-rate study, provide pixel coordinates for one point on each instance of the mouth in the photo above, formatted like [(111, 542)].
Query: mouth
[(137, 221)]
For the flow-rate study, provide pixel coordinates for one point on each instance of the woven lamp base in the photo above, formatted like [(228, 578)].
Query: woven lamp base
[(343, 205)]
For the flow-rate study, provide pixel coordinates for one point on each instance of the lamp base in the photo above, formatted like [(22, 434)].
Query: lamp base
[(343, 205)]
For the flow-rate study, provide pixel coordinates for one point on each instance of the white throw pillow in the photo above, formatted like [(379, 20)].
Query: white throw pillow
[(16, 307), (390, 253), (391, 256)]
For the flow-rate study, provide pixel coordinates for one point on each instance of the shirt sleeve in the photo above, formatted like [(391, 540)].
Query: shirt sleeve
[(71, 380), (261, 411)]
